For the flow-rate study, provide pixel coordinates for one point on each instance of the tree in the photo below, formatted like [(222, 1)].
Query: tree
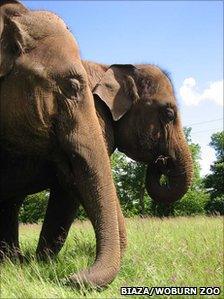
[(217, 142), (129, 177), (214, 182), (34, 207)]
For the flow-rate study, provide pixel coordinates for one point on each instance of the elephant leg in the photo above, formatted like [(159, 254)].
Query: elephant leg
[(122, 229), (57, 224), (61, 211), (9, 228)]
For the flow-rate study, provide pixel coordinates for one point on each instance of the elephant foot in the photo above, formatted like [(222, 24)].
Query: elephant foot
[(46, 251), (45, 254), (12, 254)]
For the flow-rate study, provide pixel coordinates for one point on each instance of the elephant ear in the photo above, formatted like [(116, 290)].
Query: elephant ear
[(11, 37), (117, 89)]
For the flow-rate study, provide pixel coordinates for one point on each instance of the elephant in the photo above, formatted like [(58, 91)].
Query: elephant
[(48, 114), (138, 115)]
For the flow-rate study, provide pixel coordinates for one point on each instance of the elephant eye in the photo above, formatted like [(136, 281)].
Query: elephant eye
[(168, 114), (70, 88), (74, 84)]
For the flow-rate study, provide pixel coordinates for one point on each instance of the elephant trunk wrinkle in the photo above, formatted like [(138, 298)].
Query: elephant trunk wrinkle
[(168, 178)]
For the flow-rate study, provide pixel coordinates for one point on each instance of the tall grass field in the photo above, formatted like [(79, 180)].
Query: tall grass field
[(161, 252)]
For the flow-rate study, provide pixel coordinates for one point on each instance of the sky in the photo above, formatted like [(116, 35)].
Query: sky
[(183, 37)]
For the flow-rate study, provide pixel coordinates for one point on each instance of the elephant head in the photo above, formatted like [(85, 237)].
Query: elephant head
[(47, 111), (147, 126), (31, 46)]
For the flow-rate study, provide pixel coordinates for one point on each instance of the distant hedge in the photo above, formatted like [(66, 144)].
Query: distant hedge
[(193, 203)]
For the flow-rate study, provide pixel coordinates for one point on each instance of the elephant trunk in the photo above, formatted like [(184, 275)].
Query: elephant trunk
[(86, 171), (168, 179), (100, 205)]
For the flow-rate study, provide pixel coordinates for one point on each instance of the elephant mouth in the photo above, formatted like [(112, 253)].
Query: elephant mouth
[(167, 179), (164, 164)]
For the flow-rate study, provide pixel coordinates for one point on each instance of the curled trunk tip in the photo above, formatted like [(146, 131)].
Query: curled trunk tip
[(168, 182)]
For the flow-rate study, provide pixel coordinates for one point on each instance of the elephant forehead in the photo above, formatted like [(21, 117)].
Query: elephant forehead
[(52, 51), (154, 81), (40, 24), (46, 57), (51, 18)]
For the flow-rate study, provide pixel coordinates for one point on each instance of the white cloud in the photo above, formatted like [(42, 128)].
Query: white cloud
[(191, 96)]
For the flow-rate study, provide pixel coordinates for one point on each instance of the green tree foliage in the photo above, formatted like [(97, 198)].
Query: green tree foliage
[(34, 207), (217, 142), (129, 177), (214, 182)]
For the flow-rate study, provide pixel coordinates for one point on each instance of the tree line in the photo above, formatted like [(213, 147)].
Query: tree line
[(205, 196)]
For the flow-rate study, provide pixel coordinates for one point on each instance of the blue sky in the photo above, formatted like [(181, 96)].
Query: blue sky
[(183, 37)]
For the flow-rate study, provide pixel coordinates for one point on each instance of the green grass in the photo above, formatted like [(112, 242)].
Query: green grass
[(161, 252)]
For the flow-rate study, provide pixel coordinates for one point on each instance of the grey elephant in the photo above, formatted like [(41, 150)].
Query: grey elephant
[(138, 115)]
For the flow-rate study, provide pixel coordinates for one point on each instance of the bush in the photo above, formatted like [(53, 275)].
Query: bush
[(193, 203), (215, 206), (34, 207)]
